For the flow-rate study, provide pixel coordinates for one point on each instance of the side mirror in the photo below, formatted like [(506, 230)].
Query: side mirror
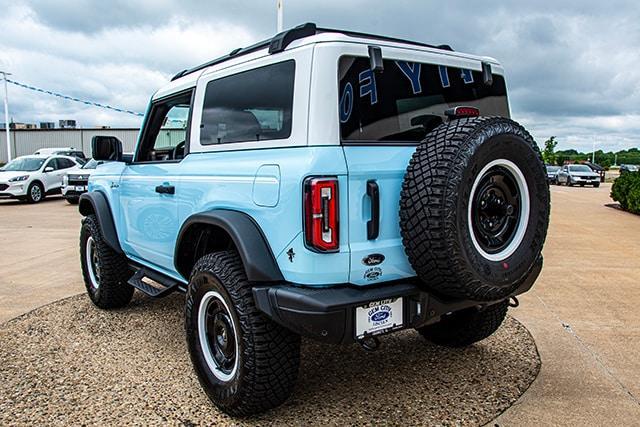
[(48, 169), (106, 148)]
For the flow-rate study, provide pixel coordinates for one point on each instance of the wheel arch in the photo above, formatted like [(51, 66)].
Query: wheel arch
[(37, 181), (96, 203), (221, 229)]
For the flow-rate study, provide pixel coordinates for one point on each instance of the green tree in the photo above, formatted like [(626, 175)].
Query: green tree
[(548, 154)]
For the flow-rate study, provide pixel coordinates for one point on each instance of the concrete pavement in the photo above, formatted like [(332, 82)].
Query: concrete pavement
[(584, 315), (583, 312), (39, 261)]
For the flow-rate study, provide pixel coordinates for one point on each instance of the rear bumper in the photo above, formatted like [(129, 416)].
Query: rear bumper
[(328, 314)]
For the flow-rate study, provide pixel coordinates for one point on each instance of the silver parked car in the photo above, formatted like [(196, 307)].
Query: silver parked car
[(581, 175), (552, 174)]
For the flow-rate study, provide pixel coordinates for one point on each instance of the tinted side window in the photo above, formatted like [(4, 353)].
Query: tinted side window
[(53, 163), (254, 105), (65, 163), (165, 133)]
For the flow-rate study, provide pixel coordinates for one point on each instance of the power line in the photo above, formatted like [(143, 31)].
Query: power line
[(71, 98)]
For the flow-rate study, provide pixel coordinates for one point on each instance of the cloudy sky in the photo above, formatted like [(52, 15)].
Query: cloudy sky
[(573, 67)]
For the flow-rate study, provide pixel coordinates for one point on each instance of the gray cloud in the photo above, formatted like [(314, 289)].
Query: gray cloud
[(572, 67)]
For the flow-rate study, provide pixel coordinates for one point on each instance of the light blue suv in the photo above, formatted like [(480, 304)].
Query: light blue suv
[(323, 183)]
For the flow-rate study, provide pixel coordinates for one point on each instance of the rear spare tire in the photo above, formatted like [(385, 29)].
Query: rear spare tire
[(474, 208)]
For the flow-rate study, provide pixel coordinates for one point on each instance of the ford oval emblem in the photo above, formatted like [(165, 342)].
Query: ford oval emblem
[(380, 316), (373, 259)]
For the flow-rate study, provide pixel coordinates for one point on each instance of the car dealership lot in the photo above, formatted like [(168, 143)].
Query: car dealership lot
[(38, 254), (582, 312)]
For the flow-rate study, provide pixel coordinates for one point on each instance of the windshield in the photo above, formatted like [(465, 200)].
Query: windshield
[(553, 168), (27, 164), (91, 164), (579, 168), (408, 99)]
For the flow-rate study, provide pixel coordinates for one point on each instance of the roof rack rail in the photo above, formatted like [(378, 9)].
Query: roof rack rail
[(281, 40), (383, 38)]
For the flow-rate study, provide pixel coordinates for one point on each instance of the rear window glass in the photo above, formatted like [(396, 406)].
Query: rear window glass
[(408, 99), (254, 105)]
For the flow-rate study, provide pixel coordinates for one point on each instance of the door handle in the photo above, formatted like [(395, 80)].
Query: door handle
[(373, 225), (165, 189)]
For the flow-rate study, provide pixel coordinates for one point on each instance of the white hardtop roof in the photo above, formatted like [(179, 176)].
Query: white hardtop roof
[(189, 80)]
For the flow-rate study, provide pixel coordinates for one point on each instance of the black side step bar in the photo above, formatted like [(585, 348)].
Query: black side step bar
[(161, 287)]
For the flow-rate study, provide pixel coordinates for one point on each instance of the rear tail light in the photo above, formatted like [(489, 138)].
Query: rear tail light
[(321, 213), (460, 112)]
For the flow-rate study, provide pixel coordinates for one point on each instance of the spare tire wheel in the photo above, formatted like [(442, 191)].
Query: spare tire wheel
[(474, 208)]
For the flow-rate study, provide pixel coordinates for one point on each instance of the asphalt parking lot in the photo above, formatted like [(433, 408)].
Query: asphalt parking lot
[(582, 313)]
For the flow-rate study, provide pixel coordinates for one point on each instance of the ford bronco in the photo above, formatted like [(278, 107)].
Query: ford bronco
[(326, 184)]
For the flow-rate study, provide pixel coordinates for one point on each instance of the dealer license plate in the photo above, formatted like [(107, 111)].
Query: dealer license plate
[(378, 317)]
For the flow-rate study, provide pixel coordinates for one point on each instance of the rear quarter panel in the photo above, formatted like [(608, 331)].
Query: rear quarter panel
[(247, 181)]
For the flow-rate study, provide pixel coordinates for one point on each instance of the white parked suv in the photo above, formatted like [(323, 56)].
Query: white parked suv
[(75, 181), (31, 178)]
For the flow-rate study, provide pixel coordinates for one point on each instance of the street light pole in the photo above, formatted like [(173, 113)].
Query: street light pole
[(6, 114), (280, 14)]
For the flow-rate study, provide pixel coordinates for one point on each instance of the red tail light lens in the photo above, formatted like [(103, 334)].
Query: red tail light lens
[(460, 112), (321, 214)]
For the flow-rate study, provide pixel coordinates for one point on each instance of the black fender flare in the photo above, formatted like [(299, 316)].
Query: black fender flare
[(259, 262), (96, 203)]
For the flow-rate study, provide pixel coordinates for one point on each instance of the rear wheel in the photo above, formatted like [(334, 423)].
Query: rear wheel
[(465, 327), (474, 208), (245, 362)]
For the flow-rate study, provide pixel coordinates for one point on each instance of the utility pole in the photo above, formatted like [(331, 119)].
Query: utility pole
[(6, 114), (279, 6)]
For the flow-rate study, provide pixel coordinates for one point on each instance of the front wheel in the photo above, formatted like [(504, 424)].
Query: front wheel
[(465, 327), (596, 185), (245, 362), (35, 193), (105, 271), (72, 200)]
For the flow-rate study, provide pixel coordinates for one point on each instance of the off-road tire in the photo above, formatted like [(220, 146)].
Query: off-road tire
[(465, 327), (29, 198), (436, 199), (268, 356), (113, 290)]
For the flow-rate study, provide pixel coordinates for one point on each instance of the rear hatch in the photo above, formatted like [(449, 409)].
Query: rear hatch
[(383, 115)]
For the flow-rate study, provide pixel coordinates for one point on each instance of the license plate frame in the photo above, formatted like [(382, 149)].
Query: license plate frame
[(379, 317)]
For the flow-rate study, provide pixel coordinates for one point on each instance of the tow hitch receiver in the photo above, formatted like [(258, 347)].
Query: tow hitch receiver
[(369, 343)]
